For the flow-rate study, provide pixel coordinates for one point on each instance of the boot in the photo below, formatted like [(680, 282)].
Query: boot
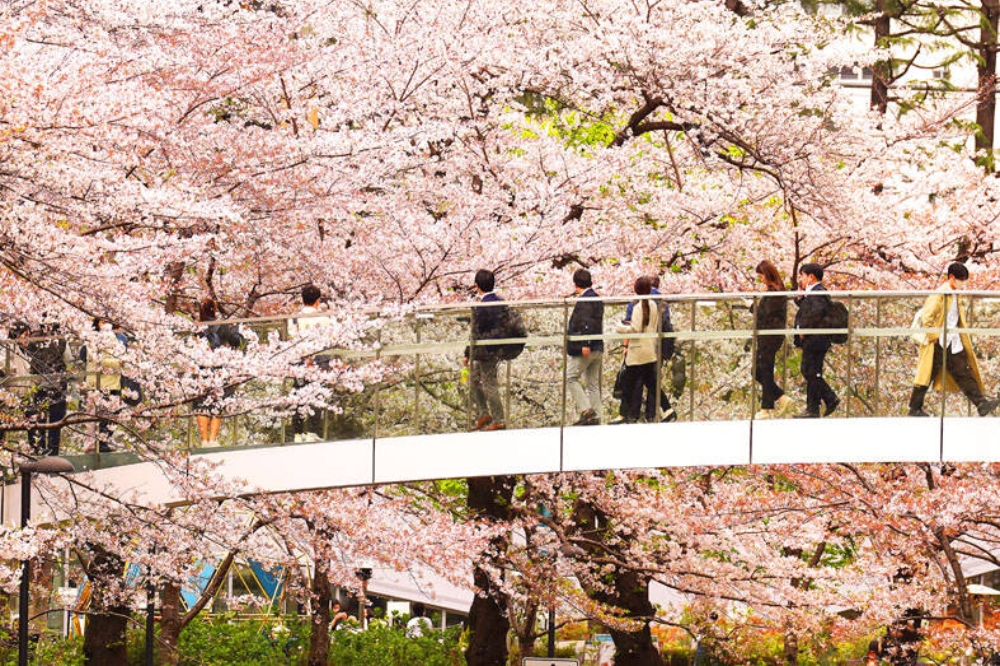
[(987, 406), (917, 401)]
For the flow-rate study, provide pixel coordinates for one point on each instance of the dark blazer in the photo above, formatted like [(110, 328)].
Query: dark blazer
[(770, 313), (812, 308), (587, 319), (487, 324)]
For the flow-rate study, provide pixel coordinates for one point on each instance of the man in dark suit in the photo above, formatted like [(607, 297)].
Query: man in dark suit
[(487, 323), (583, 367), (812, 309)]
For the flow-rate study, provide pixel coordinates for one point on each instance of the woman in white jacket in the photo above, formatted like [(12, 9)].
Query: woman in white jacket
[(640, 358)]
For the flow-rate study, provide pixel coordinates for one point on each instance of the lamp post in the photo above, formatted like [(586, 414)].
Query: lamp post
[(47, 465)]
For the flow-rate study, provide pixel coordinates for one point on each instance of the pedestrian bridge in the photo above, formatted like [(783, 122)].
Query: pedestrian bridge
[(416, 428)]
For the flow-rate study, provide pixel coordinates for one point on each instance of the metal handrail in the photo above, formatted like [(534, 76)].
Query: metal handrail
[(535, 385)]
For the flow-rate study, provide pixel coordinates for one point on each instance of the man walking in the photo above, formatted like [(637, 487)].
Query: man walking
[(583, 367), (812, 309), (953, 351), (487, 323)]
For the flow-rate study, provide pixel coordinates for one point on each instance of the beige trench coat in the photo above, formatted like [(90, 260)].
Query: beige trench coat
[(934, 311)]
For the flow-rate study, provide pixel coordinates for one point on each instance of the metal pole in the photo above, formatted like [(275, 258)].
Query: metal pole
[(416, 382), (22, 601), (552, 632), (878, 352), (691, 360), (150, 613), (565, 368), (850, 356), (753, 358)]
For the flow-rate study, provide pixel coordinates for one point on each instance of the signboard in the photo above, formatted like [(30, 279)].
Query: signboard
[(553, 661)]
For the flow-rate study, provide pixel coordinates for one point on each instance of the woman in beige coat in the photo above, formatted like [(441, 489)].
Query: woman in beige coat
[(945, 311), (641, 357)]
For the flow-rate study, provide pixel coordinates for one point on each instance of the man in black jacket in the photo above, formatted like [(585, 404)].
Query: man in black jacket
[(487, 323), (812, 308), (583, 367)]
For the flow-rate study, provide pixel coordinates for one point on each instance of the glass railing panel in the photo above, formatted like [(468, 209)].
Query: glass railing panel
[(426, 389)]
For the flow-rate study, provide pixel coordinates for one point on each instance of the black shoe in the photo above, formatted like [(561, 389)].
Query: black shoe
[(587, 417), (917, 412), (669, 416), (807, 415), (831, 407), (987, 406)]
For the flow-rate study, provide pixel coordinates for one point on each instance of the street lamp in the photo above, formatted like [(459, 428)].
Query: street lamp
[(47, 465)]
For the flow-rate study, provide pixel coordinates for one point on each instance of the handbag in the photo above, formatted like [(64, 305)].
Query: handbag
[(619, 388)]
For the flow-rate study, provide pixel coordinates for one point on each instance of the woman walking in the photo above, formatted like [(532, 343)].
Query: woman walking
[(770, 313), (640, 358)]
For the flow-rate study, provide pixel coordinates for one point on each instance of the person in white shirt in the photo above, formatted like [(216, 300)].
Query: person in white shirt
[(953, 351), (309, 429), (418, 624)]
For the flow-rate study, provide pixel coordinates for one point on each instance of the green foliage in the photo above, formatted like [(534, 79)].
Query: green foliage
[(388, 646)]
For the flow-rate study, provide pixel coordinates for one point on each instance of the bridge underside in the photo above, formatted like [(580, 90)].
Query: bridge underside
[(349, 463)]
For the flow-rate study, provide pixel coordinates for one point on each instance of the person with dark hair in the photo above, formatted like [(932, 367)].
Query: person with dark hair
[(207, 409), (812, 310), (309, 428), (583, 367), (487, 323), (770, 313), (953, 351), (419, 623), (641, 355)]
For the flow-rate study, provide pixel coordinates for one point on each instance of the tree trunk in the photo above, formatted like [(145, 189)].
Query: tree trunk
[(489, 498), (319, 635), (791, 648), (104, 640), (987, 70), (526, 632), (628, 591), (488, 624), (170, 624), (882, 70)]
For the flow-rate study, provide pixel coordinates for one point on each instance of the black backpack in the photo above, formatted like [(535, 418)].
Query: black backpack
[(667, 345), (512, 327), (836, 316)]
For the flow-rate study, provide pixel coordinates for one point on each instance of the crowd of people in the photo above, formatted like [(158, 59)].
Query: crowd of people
[(37, 362), (946, 361)]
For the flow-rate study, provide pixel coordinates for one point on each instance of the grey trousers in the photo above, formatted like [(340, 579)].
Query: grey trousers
[(583, 378), (485, 389)]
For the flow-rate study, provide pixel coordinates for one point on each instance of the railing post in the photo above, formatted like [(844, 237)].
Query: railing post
[(658, 368), (754, 342), (416, 378), (470, 362), (850, 356), (691, 360), (878, 353), (943, 373), (565, 371)]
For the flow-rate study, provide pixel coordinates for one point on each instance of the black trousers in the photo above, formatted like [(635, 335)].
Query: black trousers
[(637, 378), (958, 368), (50, 406), (767, 351), (817, 389)]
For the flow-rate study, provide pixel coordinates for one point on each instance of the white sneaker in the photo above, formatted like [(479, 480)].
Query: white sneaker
[(310, 437), (764, 414), (298, 438)]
